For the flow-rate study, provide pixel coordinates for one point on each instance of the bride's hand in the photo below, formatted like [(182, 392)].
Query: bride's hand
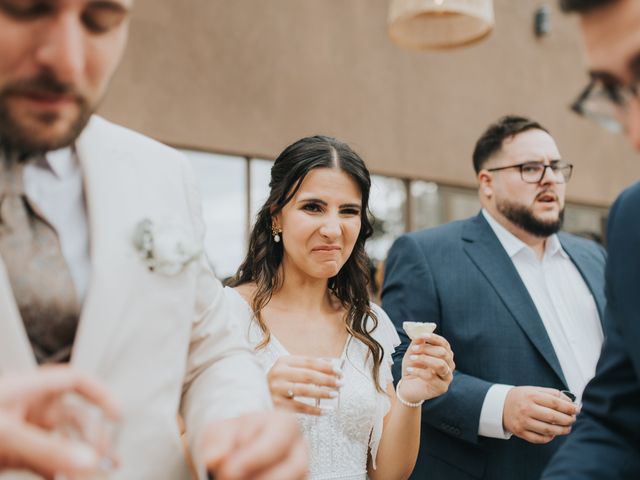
[(427, 368), (297, 376)]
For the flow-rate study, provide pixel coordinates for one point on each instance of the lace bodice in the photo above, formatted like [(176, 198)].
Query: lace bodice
[(341, 440)]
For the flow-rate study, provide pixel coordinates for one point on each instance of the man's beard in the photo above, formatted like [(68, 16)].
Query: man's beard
[(25, 139), (524, 218)]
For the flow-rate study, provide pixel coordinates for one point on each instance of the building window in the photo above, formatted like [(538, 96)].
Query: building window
[(222, 182), (588, 222), (433, 204), (260, 171), (426, 211), (230, 209), (459, 203), (387, 202)]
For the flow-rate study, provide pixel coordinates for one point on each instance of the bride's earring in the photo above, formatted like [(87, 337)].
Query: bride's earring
[(276, 231)]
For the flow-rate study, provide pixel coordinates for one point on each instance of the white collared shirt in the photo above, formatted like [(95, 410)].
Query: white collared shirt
[(567, 309), (55, 186)]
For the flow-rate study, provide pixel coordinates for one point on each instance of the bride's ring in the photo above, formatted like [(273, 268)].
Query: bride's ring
[(290, 394)]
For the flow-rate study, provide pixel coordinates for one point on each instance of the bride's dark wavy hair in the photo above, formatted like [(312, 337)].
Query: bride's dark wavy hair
[(261, 265)]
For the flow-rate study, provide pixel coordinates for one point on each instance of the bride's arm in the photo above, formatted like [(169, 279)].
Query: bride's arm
[(427, 371), (399, 444)]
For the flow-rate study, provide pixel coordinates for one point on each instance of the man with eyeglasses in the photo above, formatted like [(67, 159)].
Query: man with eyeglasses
[(606, 442), (520, 304)]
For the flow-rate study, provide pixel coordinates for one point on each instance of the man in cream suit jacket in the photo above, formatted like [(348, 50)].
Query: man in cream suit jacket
[(121, 216)]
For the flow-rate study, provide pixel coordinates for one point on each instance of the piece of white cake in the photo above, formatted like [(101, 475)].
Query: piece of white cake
[(418, 329)]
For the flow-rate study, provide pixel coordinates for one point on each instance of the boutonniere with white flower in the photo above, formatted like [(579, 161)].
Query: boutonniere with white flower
[(165, 249)]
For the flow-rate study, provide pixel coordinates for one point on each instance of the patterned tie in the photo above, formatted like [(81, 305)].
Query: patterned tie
[(39, 276)]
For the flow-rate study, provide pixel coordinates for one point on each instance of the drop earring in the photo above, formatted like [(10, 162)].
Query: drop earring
[(276, 231)]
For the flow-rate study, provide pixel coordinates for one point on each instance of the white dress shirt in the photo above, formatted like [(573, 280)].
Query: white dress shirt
[(567, 309), (54, 185)]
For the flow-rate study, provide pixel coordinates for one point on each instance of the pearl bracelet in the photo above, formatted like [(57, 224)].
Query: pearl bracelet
[(403, 401)]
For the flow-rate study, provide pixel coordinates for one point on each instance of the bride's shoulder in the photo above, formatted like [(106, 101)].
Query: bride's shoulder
[(382, 329), (246, 291), (239, 298), (379, 313)]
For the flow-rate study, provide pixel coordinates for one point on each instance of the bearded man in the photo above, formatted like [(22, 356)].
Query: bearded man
[(520, 304)]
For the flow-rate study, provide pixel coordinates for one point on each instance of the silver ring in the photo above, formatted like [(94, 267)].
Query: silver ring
[(290, 394)]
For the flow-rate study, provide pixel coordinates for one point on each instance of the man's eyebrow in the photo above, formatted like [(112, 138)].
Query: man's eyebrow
[(116, 7), (604, 76), (609, 79), (541, 160), (634, 66)]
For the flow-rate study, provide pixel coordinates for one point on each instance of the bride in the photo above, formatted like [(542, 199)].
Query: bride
[(301, 294)]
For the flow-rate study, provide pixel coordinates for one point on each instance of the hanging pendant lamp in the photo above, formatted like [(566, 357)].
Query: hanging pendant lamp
[(439, 24)]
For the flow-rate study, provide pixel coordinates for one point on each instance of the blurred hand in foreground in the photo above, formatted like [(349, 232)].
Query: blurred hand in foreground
[(29, 404), (258, 446)]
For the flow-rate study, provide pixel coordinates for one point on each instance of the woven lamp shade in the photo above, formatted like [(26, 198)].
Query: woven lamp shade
[(437, 24)]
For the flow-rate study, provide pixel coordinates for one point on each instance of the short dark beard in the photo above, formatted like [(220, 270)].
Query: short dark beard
[(523, 217), (20, 139)]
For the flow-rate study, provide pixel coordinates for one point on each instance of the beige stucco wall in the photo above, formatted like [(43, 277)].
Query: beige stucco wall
[(250, 76)]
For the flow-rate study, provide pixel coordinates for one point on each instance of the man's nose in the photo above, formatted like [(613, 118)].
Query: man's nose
[(550, 176), (61, 50)]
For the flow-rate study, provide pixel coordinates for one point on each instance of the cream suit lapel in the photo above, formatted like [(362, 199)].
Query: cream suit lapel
[(15, 349), (110, 185)]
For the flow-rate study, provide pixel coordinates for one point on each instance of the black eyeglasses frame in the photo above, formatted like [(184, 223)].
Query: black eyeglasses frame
[(559, 165)]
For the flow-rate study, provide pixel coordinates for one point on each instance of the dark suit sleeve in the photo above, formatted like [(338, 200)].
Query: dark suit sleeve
[(605, 442), (410, 294)]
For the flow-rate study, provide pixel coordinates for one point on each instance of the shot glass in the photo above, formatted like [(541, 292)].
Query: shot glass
[(573, 398), (329, 405)]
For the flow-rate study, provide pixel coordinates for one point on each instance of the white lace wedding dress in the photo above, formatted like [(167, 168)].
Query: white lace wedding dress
[(339, 441)]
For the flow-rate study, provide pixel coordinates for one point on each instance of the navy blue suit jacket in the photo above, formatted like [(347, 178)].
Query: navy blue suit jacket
[(605, 443), (459, 276)]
